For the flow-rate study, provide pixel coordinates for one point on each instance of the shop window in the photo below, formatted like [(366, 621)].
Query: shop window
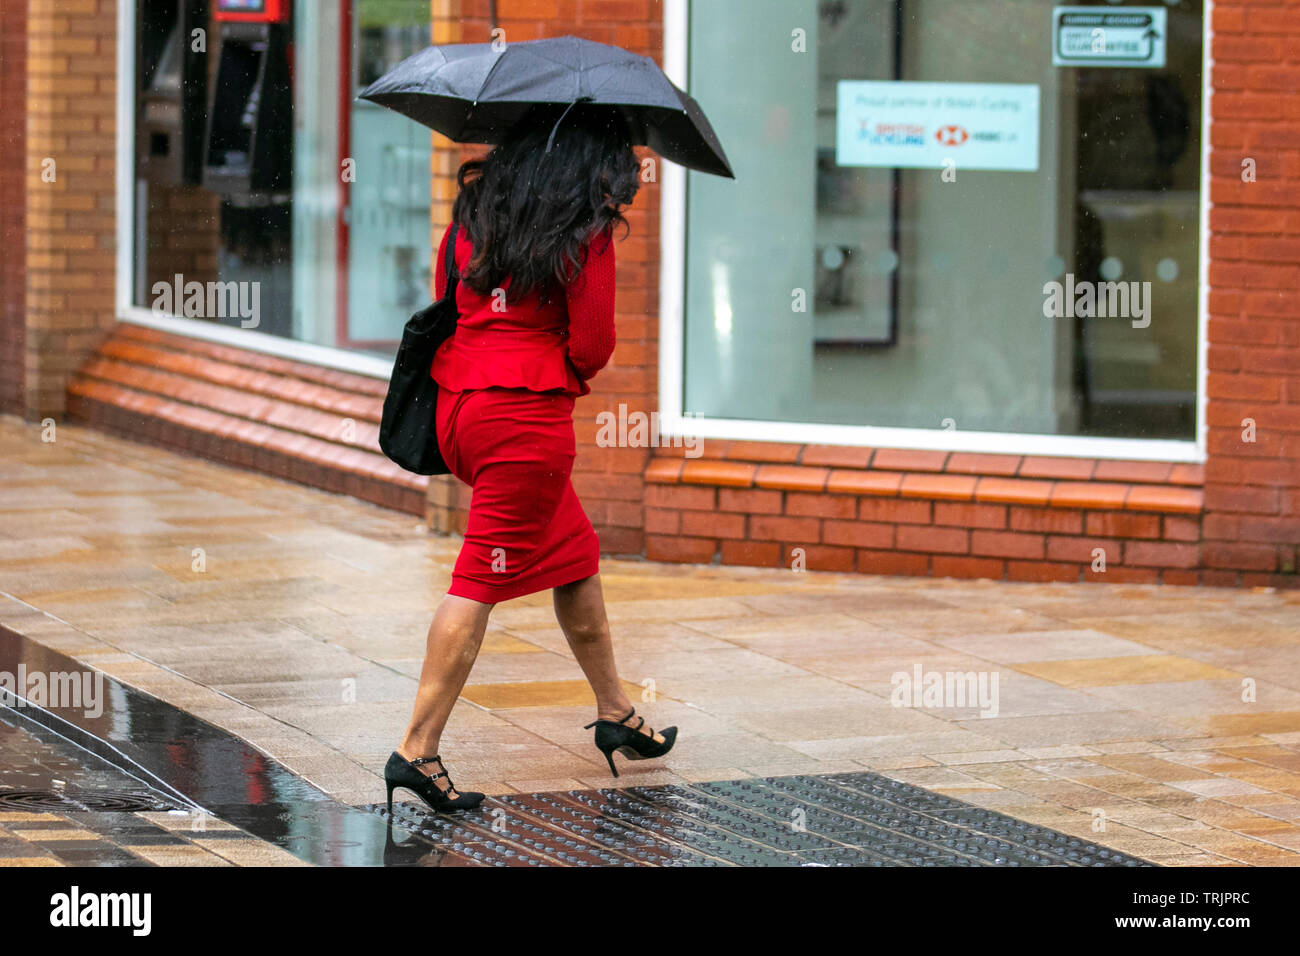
[(266, 197), (925, 193)]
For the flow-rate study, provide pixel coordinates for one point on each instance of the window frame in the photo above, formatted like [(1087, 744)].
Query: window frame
[(672, 296)]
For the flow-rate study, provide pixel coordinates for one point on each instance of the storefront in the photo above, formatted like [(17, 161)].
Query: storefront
[(989, 296)]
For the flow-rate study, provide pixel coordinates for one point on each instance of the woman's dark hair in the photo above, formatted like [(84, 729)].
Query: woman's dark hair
[(531, 213)]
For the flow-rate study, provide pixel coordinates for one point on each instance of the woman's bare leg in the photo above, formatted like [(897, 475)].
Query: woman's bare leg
[(580, 609), (455, 637)]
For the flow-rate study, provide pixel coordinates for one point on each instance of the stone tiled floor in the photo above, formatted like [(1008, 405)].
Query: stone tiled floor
[(1163, 722), (136, 839)]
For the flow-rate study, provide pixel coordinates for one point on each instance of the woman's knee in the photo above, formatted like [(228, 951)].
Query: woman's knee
[(586, 631)]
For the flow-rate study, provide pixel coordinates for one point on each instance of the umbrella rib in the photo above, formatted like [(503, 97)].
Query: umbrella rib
[(481, 88), (578, 70)]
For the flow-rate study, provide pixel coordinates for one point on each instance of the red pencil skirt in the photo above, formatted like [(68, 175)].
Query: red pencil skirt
[(526, 531)]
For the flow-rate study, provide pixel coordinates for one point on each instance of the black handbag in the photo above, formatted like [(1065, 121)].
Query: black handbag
[(408, 430)]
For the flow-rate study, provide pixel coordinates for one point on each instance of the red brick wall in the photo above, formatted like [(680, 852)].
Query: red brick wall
[(13, 123), (71, 119), (1252, 490), (888, 511)]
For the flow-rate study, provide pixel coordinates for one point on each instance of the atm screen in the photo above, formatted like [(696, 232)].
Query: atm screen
[(251, 11)]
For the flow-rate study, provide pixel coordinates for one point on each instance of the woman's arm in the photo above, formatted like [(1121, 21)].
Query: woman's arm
[(591, 308)]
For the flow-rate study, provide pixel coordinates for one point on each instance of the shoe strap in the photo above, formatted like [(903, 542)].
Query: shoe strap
[(420, 761), (623, 722), (639, 725), (603, 720)]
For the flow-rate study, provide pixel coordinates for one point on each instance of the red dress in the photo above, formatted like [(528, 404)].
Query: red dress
[(507, 383)]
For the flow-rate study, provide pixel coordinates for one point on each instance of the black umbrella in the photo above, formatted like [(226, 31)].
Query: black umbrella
[(475, 92)]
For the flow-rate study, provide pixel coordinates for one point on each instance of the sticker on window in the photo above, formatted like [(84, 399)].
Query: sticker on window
[(910, 125), (1129, 37)]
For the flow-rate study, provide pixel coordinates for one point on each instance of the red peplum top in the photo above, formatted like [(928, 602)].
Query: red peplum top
[(529, 345)]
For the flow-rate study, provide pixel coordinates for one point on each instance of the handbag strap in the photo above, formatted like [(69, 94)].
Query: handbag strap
[(453, 280)]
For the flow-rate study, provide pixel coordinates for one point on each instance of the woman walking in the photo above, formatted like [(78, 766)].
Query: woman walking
[(532, 239)]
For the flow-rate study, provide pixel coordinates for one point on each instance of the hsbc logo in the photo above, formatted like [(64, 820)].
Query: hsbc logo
[(952, 135)]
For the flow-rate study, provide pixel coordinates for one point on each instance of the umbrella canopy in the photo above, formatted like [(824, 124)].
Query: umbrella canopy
[(475, 92)]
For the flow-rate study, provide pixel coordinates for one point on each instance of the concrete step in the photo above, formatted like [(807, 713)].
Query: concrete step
[(308, 424)]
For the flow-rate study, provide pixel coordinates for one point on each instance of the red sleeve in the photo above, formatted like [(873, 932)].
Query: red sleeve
[(440, 273), (591, 309)]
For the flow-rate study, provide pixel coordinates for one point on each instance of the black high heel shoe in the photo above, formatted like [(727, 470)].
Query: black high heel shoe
[(614, 735), (401, 772)]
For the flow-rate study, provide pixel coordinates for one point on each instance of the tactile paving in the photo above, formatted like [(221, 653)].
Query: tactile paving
[(843, 819)]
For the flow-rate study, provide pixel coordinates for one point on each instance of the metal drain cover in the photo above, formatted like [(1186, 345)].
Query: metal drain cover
[(99, 801)]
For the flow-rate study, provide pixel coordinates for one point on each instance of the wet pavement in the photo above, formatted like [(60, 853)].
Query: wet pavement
[(178, 763), (94, 805), (1159, 722), (63, 806)]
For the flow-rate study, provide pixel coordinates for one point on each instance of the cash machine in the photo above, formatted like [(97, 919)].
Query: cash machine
[(249, 144)]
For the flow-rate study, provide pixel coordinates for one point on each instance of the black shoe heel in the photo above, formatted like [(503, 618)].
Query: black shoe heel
[(612, 735), (400, 772), (609, 756)]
